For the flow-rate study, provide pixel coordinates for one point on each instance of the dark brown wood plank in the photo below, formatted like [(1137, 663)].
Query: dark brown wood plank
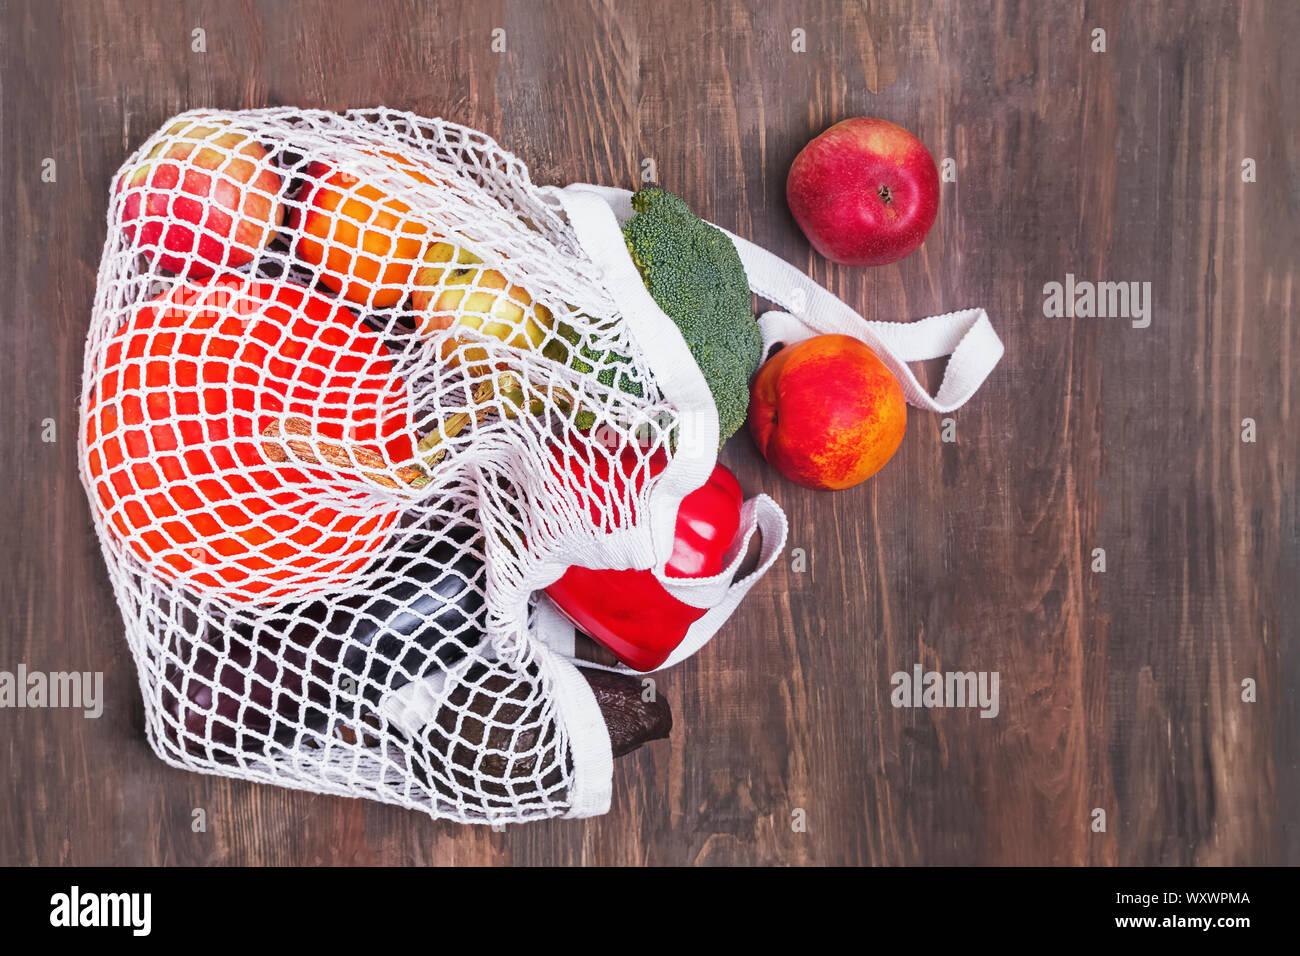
[(1119, 691)]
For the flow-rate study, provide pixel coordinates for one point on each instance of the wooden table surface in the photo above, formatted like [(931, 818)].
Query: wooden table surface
[(1120, 690)]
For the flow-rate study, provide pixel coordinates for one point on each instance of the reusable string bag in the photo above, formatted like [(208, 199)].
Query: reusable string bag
[(332, 459)]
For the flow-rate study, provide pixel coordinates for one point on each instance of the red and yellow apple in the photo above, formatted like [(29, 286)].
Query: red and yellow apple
[(453, 288), (204, 198), (362, 238), (826, 412), (865, 192)]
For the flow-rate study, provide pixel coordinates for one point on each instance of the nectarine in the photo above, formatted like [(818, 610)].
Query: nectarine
[(827, 412)]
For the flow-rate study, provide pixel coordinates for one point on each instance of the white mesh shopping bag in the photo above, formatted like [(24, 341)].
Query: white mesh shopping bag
[(355, 391)]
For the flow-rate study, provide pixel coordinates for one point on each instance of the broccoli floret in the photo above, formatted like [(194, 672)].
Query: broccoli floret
[(569, 349), (611, 366), (693, 272)]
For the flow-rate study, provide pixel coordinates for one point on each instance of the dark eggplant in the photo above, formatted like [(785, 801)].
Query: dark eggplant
[(425, 620), (426, 614)]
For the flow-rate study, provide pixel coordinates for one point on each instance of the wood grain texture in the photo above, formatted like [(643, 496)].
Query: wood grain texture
[(1119, 690)]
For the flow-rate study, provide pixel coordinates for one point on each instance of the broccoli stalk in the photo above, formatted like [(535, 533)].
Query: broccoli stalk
[(692, 270)]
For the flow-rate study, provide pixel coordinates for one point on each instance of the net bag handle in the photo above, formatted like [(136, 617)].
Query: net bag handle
[(967, 336), (721, 594)]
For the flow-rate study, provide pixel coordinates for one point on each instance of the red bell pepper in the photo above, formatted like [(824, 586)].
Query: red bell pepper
[(630, 612)]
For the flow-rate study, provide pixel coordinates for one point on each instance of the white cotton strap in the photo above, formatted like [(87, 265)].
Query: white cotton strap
[(761, 515), (553, 629), (722, 595), (967, 335), (589, 744)]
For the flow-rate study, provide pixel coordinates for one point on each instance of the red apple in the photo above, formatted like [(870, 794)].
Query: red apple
[(865, 192), (826, 412), (204, 198)]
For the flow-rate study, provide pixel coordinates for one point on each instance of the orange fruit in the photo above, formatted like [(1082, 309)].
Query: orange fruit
[(362, 238)]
